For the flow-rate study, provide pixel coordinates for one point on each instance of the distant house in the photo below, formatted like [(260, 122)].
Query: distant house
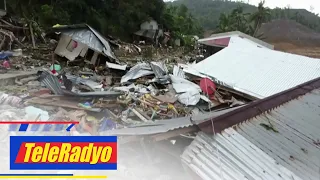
[(150, 31), (149, 25), (82, 41), (3, 8), (216, 42)]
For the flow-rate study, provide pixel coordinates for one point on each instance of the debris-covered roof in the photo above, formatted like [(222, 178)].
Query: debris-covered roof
[(223, 39), (87, 35), (162, 126), (159, 126), (282, 143), (258, 72)]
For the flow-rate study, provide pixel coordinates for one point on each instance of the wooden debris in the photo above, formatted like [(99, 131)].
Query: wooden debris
[(11, 37), (139, 115), (59, 103)]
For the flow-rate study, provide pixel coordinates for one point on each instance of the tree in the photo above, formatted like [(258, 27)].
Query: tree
[(120, 18), (179, 20), (208, 12), (247, 23), (261, 16), (237, 20), (224, 23)]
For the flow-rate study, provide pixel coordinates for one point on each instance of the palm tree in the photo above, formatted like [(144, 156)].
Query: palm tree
[(261, 16), (224, 23), (236, 21)]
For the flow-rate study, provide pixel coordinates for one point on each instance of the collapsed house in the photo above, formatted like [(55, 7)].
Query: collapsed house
[(217, 42), (150, 31), (82, 41)]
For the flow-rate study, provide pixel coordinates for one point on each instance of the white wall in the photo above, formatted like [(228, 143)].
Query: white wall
[(62, 50)]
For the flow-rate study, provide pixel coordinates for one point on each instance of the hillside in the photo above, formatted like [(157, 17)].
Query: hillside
[(208, 12), (290, 31)]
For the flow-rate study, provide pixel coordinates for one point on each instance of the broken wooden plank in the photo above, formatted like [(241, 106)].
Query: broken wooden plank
[(141, 117), (60, 103)]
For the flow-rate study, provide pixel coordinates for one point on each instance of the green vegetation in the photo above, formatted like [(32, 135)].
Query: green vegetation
[(208, 12), (120, 18), (248, 23)]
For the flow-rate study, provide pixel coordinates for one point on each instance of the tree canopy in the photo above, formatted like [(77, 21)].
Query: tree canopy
[(120, 18), (208, 12), (248, 23)]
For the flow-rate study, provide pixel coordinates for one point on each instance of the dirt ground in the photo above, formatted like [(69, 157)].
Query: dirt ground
[(290, 36), (310, 51)]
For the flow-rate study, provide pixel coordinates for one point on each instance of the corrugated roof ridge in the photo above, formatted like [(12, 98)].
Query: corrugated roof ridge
[(258, 107)]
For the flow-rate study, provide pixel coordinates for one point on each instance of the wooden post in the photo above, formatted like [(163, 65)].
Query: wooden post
[(32, 36)]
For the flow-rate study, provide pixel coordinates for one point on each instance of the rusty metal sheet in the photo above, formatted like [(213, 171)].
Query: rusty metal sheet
[(281, 144)]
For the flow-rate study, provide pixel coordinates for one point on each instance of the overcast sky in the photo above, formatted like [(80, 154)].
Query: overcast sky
[(296, 4)]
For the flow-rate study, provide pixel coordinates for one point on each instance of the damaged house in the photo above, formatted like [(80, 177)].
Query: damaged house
[(82, 41), (217, 42), (150, 31)]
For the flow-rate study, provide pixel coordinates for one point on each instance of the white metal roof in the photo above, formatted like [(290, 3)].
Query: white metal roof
[(243, 42), (250, 151), (258, 72)]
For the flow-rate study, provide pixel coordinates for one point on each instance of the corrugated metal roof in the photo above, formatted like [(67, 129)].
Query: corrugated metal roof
[(159, 126), (237, 34), (162, 126), (258, 72), (250, 151)]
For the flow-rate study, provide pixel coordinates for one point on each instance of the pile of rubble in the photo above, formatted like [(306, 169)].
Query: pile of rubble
[(120, 96), (83, 80)]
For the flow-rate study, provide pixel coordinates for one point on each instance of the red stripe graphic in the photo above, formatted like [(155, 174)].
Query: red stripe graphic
[(39, 122)]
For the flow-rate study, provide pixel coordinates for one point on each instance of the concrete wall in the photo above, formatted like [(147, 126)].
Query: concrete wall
[(149, 25)]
